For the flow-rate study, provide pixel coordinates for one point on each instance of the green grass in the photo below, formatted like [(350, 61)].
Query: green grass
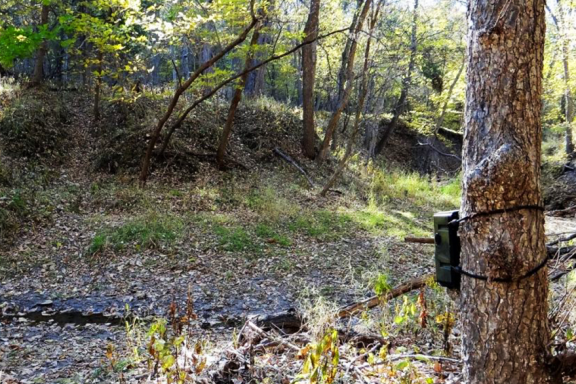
[(322, 224), (235, 239), (148, 231), (389, 223), (270, 204), (266, 232), (414, 189)]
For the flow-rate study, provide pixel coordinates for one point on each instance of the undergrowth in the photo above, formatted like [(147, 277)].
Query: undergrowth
[(36, 125)]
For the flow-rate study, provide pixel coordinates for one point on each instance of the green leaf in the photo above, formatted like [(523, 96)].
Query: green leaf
[(403, 364), (168, 361)]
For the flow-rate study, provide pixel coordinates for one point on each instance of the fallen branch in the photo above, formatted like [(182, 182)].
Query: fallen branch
[(277, 151), (374, 301), (451, 132), (562, 239), (261, 332), (556, 276), (419, 240), (555, 252), (440, 152), (562, 212), (422, 357)]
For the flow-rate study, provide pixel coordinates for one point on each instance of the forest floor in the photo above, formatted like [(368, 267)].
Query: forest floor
[(83, 286)]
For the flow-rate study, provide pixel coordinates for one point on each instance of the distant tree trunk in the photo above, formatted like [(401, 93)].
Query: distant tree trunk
[(561, 27), (406, 83), (363, 91), (38, 75), (335, 118), (505, 335), (59, 65), (227, 132), (205, 55), (568, 101), (440, 119), (155, 75), (341, 78), (184, 60), (256, 80), (175, 74), (98, 87), (308, 79)]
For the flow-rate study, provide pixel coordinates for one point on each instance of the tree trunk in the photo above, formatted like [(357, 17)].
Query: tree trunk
[(308, 79), (335, 118), (236, 100), (3, 72), (362, 92), (406, 82), (184, 60), (341, 79), (504, 324), (98, 88), (568, 102), (440, 119), (38, 75), (256, 80), (562, 29)]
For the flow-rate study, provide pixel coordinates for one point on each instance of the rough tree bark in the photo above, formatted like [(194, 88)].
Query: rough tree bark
[(38, 75), (227, 132), (406, 82), (504, 324), (308, 79), (335, 118)]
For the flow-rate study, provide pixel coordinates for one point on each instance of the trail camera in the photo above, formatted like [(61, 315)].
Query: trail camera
[(447, 252)]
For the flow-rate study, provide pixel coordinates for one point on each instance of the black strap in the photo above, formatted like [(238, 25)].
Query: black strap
[(533, 271), (497, 211)]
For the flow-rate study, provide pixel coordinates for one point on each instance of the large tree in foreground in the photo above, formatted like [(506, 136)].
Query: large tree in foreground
[(504, 319)]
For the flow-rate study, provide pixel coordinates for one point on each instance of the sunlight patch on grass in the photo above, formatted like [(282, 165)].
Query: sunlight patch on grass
[(322, 224), (270, 204), (414, 189), (387, 222)]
